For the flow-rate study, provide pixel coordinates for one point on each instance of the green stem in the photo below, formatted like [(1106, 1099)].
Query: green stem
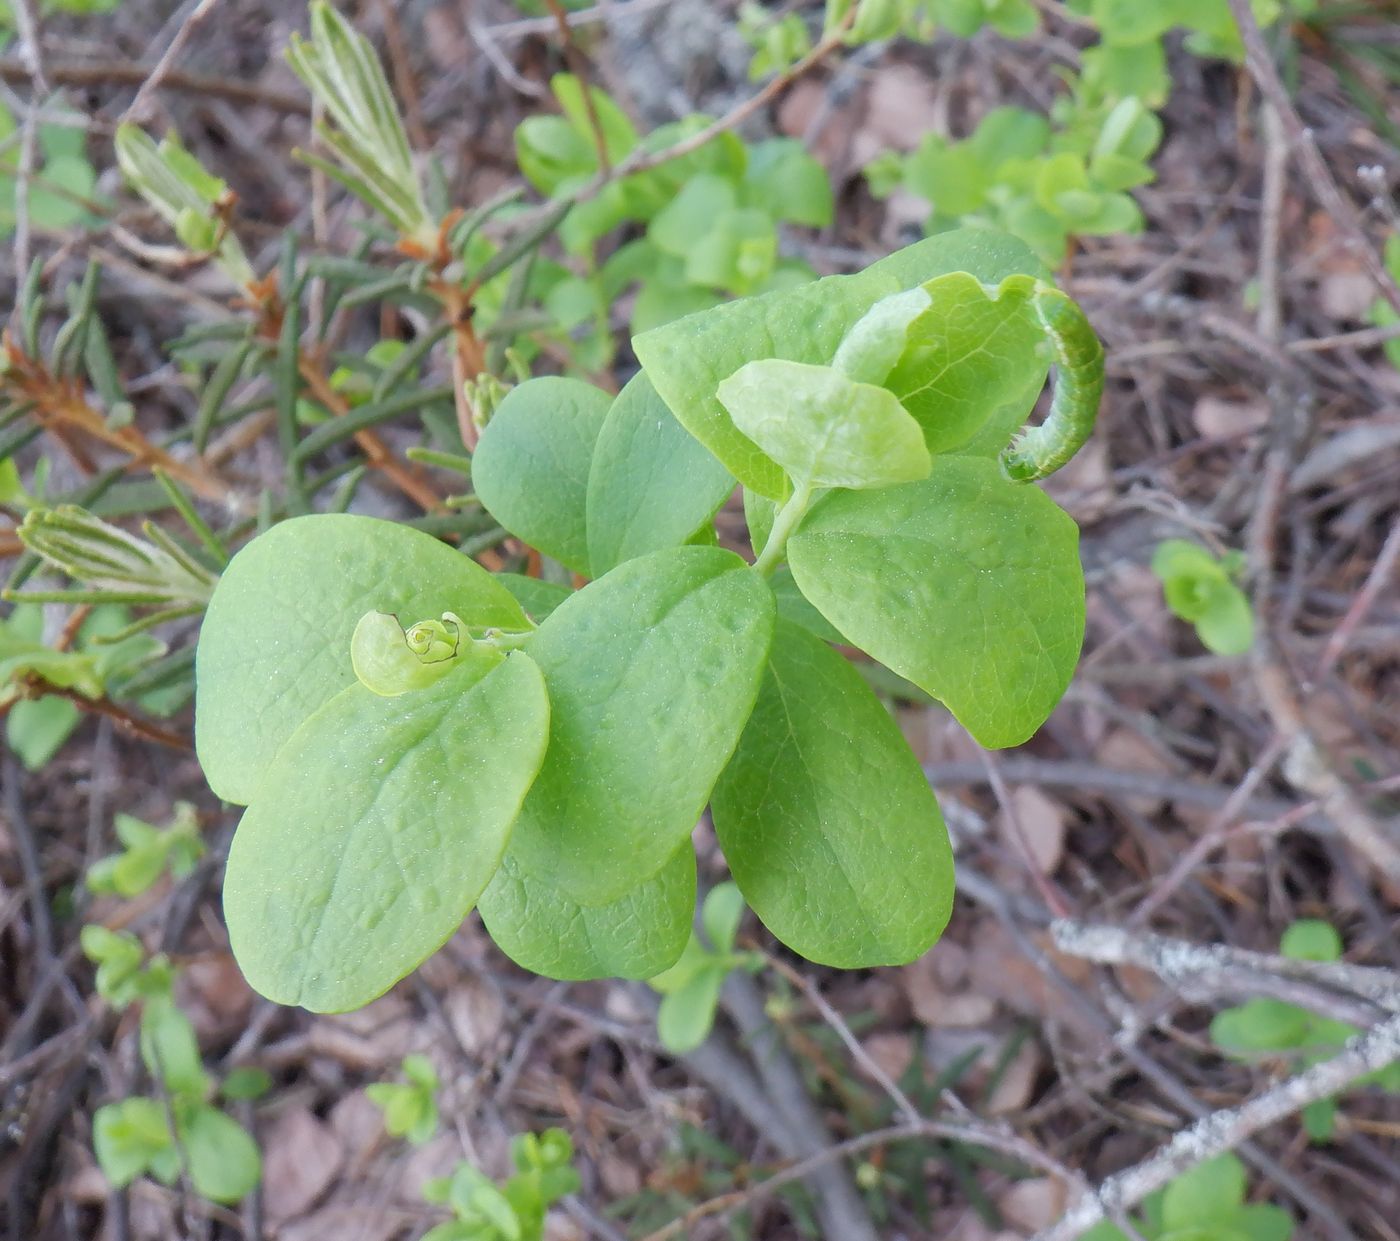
[(783, 525), (507, 640)]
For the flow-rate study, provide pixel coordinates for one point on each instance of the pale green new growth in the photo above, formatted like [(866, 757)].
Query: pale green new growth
[(339, 66), (391, 660), (276, 639), (878, 340), (187, 197), (824, 429)]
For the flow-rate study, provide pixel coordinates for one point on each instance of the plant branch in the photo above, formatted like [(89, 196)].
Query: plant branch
[(1206, 971), (839, 1206), (1226, 1129), (60, 405), (134, 725), (407, 480), (133, 73), (136, 108)]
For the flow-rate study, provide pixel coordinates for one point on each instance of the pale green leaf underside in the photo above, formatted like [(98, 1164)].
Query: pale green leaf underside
[(826, 820), (531, 467), (652, 484), (652, 671), (687, 360), (870, 349), (375, 830), (974, 357), (966, 584), (636, 936), (824, 429), (275, 643)]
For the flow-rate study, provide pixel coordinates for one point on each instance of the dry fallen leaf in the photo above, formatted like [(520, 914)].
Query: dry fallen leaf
[(1041, 821), (1084, 487), (1216, 418), (435, 1158), (1126, 750), (938, 1008), (1017, 1082), (901, 106), (893, 1053), (1002, 971), (621, 1178), (476, 1011), (1033, 1204), (345, 1223), (301, 1159), (373, 1038), (212, 991), (358, 1125), (559, 1227), (1346, 295)]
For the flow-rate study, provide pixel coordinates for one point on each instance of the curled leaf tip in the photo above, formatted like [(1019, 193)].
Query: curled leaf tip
[(390, 660)]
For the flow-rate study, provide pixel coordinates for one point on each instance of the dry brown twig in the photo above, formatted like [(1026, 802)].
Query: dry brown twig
[(133, 73), (136, 109), (1301, 143), (1307, 764)]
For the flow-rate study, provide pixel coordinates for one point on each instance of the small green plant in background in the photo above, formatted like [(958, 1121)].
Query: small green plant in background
[(1131, 57), (1039, 179), (692, 985), (516, 1209), (100, 663), (1383, 314), (147, 853), (711, 217), (135, 1136), (1205, 1204), (1269, 1028), (63, 183), (781, 39), (110, 656), (1201, 588), (1049, 179), (409, 1107)]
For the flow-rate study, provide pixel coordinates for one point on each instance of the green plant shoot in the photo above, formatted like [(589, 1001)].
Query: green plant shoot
[(412, 739)]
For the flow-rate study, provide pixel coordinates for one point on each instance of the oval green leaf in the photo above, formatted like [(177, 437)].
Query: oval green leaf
[(531, 467), (830, 828), (652, 671), (223, 1160), (652, 484), (275, 643), (966, 584), (376, 828), (638, 935)]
